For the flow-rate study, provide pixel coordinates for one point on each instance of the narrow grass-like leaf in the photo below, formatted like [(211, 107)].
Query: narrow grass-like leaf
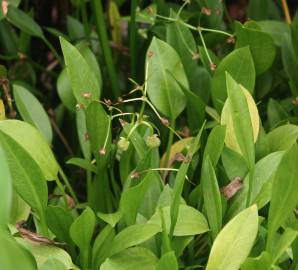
[(284, 192), (212, 198), (234, 242)]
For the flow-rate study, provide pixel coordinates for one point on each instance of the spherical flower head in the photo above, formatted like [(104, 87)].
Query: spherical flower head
[(123, 144), (153, 141)]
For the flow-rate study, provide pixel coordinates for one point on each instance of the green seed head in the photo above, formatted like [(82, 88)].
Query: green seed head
[(153, 141), (123, 144)]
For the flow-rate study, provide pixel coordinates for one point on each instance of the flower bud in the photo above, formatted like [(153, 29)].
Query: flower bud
[(153, 141), (123, 144)]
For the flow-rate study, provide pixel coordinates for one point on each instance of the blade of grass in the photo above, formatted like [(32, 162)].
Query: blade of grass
[(103, 37)]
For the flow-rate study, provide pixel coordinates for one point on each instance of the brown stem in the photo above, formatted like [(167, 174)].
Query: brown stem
[(286, 11)]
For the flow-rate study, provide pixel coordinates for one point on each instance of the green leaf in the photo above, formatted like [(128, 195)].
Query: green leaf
[(189, 222), (53, 264), (260, 44), (240, 65), (59, 221), (19, 209), (75, 28), (83, 134), (263, 262), (81, 232), (243, 127), (24, 22), (41, 253), (84, 83), (282, 244), (65, 91), (168, 262), (276, 29), (132, 236), (112, 218), (82, 163), (27, 177), (132, 198), (212, 198), (5, 190), (32, 111), (14, 255), (215, 144), (234, 242), (164, 92), (28, 137), (132, 258), (101, 247), (282, 138), (99, 131), (284, 192)]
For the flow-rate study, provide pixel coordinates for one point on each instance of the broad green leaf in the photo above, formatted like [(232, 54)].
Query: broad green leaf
[(81, 232), (59, 221), (132, 236), (189, 222), (20, 210), (261, 187), (83, 80), (27, 177), (42, 252), (132, 198), (260, 44), (91, 60), (162, 64), (182, 40), (32, 111), (242, 123), (53, 264), (234, 242), (99, 131), (212, 198), (276, 29), (215, 144), (168, 262), (130, 259), (5, 190), (284, 192), (14, 255), (283, 242), (28, 137), (75, 28), (263, 262), (275, 113), (283, 137), (111, 219), (24, 22), (65, 92), (240, 65), (83, 135), (101, 247)]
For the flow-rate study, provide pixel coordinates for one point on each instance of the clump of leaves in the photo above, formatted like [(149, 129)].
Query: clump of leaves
[(170, 147)]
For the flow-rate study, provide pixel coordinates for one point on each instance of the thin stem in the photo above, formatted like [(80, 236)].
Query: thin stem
[(132, 38), (286, 11), (216, 31), (205, 48), (85, 19), (66, 182), (107, 53), (144, 94)]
